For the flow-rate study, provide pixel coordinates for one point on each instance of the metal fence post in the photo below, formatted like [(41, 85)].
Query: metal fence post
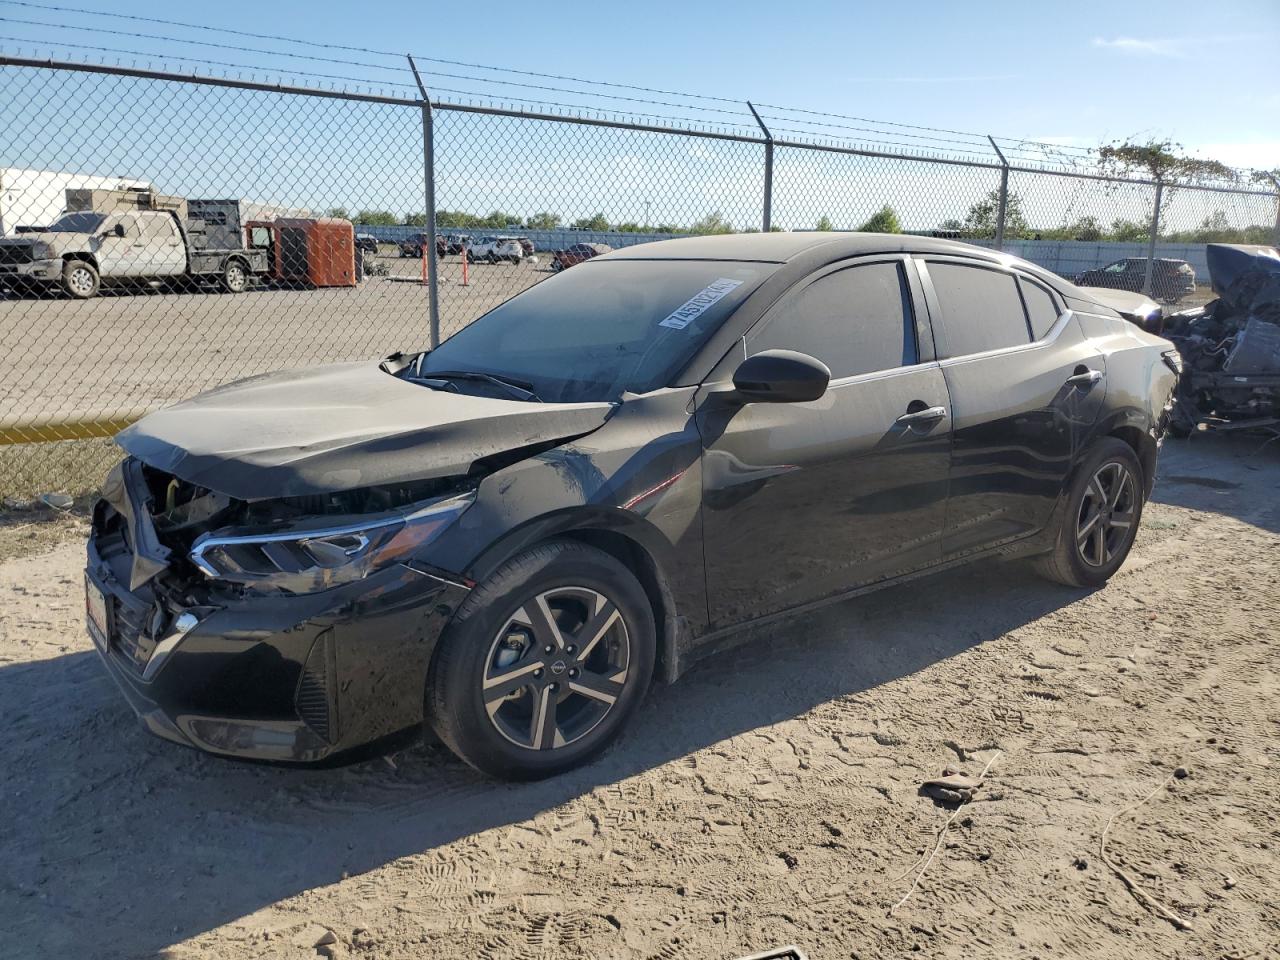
[(429, 179), (767, 223), (1003, 210), (1276, 233), (1151, 241)]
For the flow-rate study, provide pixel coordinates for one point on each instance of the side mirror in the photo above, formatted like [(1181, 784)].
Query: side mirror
[(118, 230), (780, 376)]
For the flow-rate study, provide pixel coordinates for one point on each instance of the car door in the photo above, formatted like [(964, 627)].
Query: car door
[(163, 253), (115, 253), (1025, 385), (804, 501)]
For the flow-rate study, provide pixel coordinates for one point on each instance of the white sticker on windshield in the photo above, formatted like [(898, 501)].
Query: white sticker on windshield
[(700, 303)]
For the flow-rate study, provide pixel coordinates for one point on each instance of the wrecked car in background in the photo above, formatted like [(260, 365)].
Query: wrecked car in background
[(1230, 347)]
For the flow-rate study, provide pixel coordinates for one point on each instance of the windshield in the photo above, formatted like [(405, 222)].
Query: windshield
[(77, 223), (602, 328)]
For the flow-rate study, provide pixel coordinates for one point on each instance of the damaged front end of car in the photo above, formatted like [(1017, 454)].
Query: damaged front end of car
[(283, 628), (1230, 347)]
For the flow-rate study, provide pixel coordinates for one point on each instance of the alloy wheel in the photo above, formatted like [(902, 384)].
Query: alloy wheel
[(1107, 514), (556, 668)]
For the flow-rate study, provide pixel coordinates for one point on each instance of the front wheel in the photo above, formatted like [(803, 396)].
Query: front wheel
[(1098, 526), (80, 279), (544, 662)]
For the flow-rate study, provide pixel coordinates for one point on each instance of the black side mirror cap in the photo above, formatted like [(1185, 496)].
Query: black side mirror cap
[(119, 230), (780, 376)]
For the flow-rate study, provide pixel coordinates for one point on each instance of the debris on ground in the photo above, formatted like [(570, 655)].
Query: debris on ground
[(57, 501), (954, 786)]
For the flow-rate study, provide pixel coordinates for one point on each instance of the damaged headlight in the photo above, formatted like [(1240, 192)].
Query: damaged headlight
[(41, 251), (308, 558)]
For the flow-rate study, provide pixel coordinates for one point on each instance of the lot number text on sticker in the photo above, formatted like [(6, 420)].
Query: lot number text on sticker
[(700, 303)]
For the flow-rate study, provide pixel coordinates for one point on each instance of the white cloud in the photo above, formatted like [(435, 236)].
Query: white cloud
[(1261, 155), (1145, 47)]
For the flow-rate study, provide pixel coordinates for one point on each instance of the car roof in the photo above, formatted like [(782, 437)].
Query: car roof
[(781, 247)]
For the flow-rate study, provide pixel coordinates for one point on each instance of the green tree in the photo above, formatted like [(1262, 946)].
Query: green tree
[(377, 218), (884, 220), (823, 224), (712, 223), (542, 221), (596, 222), (456, 220), (338, 213), (1086, 228), (1127, 231), (980, 221), (415, 219)]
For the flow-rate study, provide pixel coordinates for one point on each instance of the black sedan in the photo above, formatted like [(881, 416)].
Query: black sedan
[(509, 536)]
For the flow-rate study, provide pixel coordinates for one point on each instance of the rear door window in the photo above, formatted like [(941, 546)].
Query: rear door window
[(856, 320), (981, 309)]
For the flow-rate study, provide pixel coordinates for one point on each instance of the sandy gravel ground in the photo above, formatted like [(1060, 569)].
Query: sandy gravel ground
[(769, 797)]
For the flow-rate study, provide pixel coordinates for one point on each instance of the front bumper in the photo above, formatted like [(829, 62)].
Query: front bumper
[(291, 678), (46, 270)]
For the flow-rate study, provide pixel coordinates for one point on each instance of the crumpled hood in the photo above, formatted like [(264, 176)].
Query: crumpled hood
[(340, 427)]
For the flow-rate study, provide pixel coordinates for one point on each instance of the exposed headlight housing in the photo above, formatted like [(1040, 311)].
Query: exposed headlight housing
[(308, 557), (41, 251)]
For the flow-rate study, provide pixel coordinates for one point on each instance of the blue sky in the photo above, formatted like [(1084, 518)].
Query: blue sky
[(1079, 74), (1203, 74)]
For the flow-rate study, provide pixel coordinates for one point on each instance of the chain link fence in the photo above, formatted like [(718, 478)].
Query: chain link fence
[(161, 234)]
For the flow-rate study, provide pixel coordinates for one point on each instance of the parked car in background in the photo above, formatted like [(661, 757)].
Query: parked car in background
[(563, 259), (366, 243), (603, 478), (454, 242), (415, 243), (527, 245), (1171, 280), (493, 249)]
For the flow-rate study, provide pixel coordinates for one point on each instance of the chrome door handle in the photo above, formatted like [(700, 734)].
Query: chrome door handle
[(923, 416), (1086, 379)]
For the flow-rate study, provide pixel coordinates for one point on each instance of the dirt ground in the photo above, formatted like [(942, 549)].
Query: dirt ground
[(769, 797)]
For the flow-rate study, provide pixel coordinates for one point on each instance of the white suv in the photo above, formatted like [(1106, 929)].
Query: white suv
[(494, 249)]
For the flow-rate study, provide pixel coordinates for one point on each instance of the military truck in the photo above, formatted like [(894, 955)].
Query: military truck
[(120, 237)]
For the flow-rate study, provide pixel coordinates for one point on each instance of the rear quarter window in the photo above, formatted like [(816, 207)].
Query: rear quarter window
[(1042, 309), (981, 309)]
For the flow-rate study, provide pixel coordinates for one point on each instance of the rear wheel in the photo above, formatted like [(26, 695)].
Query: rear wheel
[(235, 278), (544, 663), (80, 279), (1098, 526)]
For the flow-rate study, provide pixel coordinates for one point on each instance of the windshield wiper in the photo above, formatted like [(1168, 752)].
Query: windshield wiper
[(520, 389)]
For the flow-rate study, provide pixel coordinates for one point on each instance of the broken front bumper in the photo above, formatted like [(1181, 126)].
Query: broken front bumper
[(293, 678)]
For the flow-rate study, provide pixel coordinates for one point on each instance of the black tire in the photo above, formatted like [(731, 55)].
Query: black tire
[(1093, 540), (492, 258), (235, 277), (80, 279), (563, 727)]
